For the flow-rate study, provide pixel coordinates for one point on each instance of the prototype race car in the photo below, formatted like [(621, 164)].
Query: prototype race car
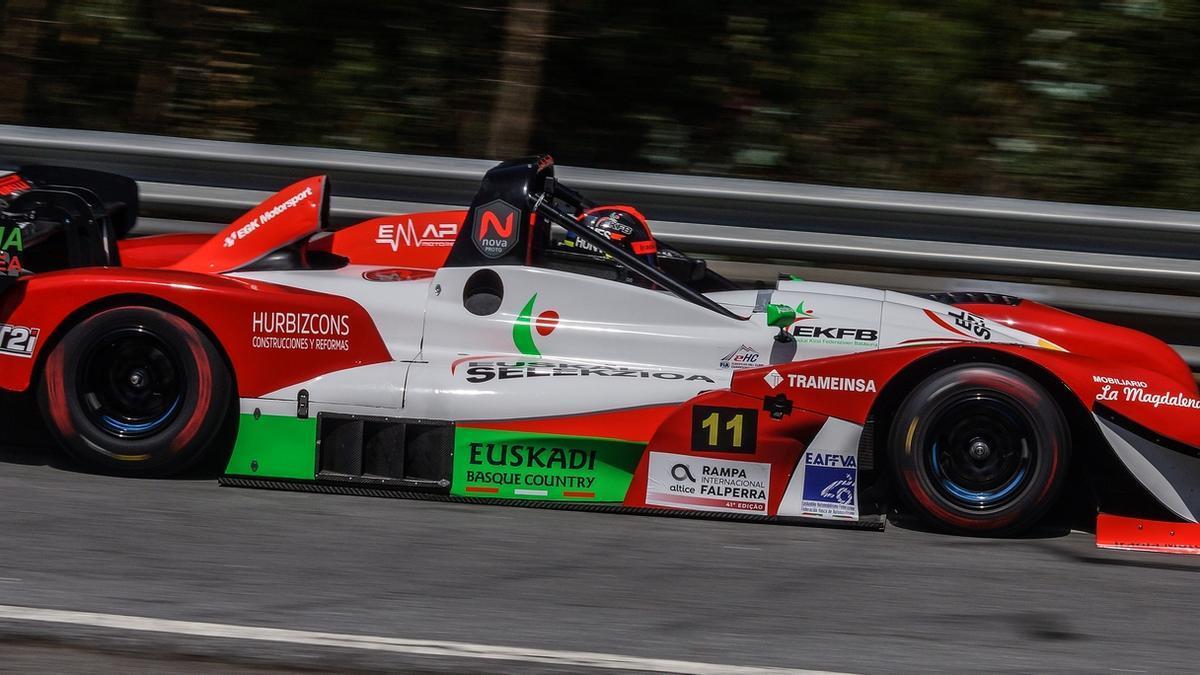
[(540, 349)]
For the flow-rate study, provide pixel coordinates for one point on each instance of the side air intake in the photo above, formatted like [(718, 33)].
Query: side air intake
[(384, 451), (973, 298)]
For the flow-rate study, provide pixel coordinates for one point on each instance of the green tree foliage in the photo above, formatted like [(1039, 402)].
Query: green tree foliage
[(1113, 105), (1093, 101)]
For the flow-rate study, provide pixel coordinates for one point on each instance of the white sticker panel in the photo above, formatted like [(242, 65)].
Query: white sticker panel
[(702, 484), (825, 483)]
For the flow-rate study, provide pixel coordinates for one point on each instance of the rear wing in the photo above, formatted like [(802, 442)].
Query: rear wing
[(57, 217)]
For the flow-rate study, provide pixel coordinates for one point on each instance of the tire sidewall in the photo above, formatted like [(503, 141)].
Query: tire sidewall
[(202, 411), (909, 439)]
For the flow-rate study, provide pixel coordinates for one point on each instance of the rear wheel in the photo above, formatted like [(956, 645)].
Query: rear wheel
[(979, 449), (136, 391)]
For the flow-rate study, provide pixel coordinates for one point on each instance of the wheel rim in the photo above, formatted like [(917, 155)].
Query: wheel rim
[(982, 450), (131, 383)]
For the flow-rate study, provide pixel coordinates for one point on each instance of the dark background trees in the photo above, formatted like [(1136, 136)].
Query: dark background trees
[(1066, 100)]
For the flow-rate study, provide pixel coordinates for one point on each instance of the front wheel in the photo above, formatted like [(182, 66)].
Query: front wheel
[(136, 391), (979, 449)]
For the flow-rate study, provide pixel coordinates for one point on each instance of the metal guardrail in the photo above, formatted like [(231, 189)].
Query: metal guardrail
[(1115, 249), (1101, 246), (186, 202)]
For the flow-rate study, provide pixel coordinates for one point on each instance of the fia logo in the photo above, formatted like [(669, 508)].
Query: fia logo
[(433, 234)]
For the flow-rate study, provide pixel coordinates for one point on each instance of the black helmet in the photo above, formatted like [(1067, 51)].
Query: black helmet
[(623, 226)]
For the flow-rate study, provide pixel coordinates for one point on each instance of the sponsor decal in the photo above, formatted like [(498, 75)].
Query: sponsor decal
[(830, 383), (703, 484), (835, 335), (265, 217), (830, 485), (433, 234), (966, 324), (523, 329), (11, 243), (610, 227), (972, 323), (11, 183), (520, 465), (300, 330), (742, 357), (647, 247), (585, 245), (1118, 382), (1138, 394), (773, 378), (495, 228), (11, 236), (824, 483), (480, 369), (10, 265), (18, 340), (721, 429)]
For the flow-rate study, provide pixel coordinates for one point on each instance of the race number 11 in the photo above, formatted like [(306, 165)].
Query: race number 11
[(720, 429)]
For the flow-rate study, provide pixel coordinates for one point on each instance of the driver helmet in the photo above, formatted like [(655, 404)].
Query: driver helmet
[(623, 226)]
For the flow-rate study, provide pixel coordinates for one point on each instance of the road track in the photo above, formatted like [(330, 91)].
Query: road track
[(719, 594)]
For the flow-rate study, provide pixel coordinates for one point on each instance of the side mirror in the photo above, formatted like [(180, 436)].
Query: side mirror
[(780, 316)]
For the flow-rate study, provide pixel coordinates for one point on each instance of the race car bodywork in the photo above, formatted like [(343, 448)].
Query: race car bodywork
[(469, 354)]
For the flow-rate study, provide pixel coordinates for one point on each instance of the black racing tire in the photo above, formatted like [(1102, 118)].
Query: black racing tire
[(979, 449), (136, 391)]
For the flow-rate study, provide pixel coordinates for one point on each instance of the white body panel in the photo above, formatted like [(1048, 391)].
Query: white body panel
[(594, 344), (395, 306), (831, 489), (659, 348)]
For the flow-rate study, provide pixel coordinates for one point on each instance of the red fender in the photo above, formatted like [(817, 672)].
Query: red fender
[(275, 336)]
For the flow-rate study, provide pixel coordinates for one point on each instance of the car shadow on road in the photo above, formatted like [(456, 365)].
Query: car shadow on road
[(55, 459), (31, 457), (1055, 526)]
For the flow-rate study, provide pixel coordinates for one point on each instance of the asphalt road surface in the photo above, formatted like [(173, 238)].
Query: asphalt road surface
[(124, 563)]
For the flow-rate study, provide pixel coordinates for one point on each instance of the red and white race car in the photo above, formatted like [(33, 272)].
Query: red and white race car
[(537, 348)]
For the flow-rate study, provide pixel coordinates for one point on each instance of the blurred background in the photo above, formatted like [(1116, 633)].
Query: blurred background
[(1079, 101)]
